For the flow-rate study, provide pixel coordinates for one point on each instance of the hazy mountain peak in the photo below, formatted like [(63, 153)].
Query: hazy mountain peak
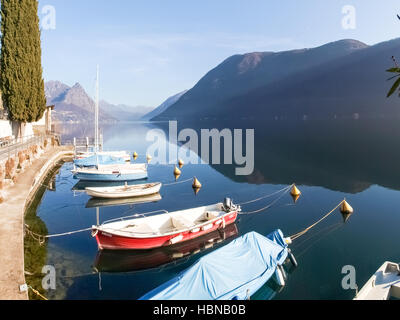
[(54, 89), (73, 104), (344, 45), (266, 80)]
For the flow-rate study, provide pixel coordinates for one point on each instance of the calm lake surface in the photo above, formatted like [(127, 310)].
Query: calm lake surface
[(329, 161)]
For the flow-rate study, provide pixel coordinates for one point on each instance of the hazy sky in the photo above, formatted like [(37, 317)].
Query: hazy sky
[(149, 50)]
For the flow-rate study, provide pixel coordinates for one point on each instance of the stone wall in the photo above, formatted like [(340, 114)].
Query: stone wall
[(16, 164)]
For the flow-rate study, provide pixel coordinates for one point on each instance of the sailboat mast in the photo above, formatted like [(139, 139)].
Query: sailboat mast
[(96, 114)]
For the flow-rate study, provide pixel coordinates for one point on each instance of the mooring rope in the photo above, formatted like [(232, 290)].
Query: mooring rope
[(42, 238), (266, 207), (286, 189), (38, 293), (178, 182), (301, 233)]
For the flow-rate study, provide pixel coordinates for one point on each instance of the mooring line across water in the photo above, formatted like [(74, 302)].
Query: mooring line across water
[(286, 189)]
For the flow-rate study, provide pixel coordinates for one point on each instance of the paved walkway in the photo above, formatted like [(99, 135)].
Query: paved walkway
[(12, 221)]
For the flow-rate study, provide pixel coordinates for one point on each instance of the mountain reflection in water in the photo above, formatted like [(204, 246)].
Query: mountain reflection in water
[(341, 155)]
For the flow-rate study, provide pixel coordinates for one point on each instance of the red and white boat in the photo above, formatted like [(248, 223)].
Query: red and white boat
[(164, 229)]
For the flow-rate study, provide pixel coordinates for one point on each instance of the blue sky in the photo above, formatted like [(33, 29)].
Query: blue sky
[(149, 50)]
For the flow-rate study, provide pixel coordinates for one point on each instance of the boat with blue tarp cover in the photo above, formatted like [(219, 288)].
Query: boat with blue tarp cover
[(97, 159), (223, 275)]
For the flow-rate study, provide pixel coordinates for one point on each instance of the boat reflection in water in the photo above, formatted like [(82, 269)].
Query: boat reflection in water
[(139, 260), (82, 185), (97, 203)]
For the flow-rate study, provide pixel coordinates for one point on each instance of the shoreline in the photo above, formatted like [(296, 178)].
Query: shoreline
[(12, 221)]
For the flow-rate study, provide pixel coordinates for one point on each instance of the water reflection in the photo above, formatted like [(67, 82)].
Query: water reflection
[(328, 161), (139, 260), (342, 155), (98, 203)]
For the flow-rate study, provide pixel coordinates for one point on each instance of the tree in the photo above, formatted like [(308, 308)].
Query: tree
[(21, 80)]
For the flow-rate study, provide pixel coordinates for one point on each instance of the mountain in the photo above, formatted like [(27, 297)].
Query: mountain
[(343, 78), (164, 106), (74, 105), (124, 112)]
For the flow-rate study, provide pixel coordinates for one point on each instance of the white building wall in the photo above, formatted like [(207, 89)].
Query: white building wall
[(5, 128), (8, 130)]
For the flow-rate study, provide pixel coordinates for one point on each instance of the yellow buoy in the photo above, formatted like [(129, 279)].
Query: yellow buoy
[(177, 172), (196, 186), (181, 163), (149, 158), (135, 155), (295, 191), (345, 208), (196, 183)]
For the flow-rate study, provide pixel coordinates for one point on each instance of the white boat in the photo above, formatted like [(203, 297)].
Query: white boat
[(383, 285), (126, 191), (118, 172), (117, 154)]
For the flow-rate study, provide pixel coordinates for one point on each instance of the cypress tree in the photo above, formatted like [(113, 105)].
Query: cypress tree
[(21, 80)]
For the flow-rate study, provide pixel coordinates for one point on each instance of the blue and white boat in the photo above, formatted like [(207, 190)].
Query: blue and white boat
[(233, 272), (98, 159), (119, 172)]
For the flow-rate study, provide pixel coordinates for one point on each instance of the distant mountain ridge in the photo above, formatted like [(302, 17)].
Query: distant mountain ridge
[(74, 105), (164, 106), (341, 78)]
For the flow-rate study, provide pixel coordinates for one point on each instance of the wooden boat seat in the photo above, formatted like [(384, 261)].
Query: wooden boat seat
[(182, 223)]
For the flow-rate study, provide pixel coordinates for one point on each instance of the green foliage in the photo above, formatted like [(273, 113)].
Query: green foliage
[(21, 80), (396, 84)]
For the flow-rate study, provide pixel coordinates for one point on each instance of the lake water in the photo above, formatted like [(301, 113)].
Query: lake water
[(329, 161)]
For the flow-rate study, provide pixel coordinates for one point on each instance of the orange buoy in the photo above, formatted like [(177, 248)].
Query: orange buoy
[(181, 163), (295, 191), (345, 208), (149, 158)]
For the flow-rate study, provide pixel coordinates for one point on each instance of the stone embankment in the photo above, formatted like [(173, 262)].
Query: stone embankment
[(20, 177)]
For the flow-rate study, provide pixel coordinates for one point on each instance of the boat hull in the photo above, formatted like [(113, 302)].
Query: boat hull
[(85, 176), (118, 193), (108, 241), (139, 260)]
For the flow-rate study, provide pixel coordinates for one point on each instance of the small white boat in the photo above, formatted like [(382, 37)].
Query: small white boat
[(383, 285), (126, 191)]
